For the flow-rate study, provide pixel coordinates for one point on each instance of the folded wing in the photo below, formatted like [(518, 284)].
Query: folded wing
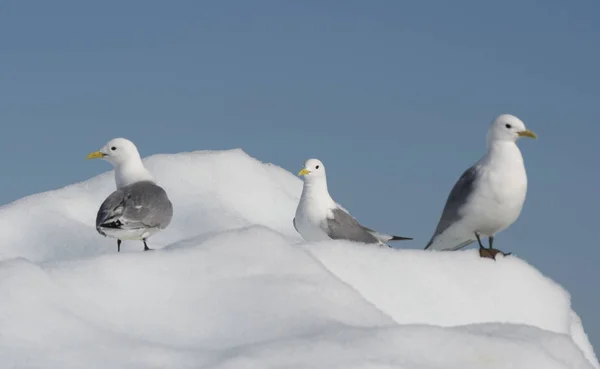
[(139, 205), (458, 197), (342, 225)]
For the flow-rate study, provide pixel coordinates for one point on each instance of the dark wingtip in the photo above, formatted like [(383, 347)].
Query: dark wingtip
[(398, 238)]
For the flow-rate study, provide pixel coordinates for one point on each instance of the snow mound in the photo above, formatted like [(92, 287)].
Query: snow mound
[(232, 285), (213, 192)]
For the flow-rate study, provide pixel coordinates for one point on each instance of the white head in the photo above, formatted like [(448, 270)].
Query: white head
[(313, 170), (315, 184), (117, 151), (508, 128), (123, 154)]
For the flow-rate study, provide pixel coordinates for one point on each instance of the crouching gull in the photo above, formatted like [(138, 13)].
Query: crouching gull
[(139, 207), (319, 218), (489, 196)]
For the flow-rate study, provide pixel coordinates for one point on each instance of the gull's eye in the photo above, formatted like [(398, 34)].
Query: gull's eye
[(317, 167), (113, 148), (508, 126)]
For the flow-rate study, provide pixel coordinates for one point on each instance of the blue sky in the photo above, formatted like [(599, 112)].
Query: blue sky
[(394, 97)]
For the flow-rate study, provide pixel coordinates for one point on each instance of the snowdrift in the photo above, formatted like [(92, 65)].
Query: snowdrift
[(232, 285)]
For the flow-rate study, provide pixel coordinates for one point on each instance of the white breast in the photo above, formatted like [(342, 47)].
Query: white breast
[(308, 220), (500, 195), (313, 209)]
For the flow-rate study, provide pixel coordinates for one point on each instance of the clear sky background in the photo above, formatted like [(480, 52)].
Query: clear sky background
[(395, 97)]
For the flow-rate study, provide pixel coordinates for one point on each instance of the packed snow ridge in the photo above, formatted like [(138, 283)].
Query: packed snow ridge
[(232, 285)]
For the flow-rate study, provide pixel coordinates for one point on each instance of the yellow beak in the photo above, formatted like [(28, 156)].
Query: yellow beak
[(304, 172), (527, 133), (95, 155)]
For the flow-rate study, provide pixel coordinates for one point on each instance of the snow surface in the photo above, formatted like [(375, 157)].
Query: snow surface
[(234, 286)]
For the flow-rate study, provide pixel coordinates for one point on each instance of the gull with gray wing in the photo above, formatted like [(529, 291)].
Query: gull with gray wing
[(489, 196), (319, 218), (139, 207)]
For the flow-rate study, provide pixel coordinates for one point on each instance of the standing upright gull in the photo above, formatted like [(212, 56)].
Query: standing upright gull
[(319, 218), (489, 196), (139, 207)]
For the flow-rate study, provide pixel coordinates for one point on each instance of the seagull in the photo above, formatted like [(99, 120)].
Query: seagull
[(489, 196), (319, 218), (139, 207)]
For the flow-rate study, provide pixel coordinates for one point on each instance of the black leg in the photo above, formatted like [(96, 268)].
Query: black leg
[(491, 251), (118, 245), (483, 252), (146, 248), (479, 240)]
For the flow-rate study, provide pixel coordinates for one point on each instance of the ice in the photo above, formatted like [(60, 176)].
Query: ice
[(232, 285)]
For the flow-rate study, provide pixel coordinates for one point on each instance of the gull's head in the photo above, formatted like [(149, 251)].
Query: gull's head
[(313, 169), (508, 128), (116, 151)]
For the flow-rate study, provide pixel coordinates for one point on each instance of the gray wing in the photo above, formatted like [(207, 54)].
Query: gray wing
[(459, 196), (139, 205), (343, 226), (386, 237)]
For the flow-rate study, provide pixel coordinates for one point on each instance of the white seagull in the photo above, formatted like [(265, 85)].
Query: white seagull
[(139, 207), (319, 218), (489, 196)]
